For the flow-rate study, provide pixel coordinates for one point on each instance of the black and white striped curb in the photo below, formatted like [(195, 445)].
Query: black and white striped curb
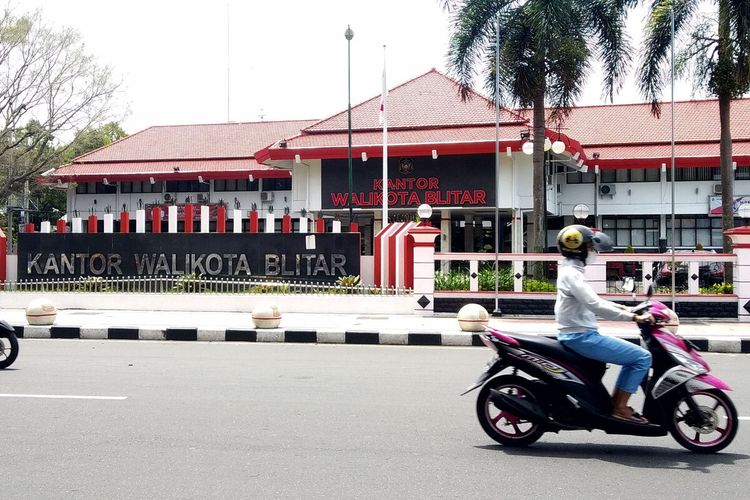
[(390, 337)]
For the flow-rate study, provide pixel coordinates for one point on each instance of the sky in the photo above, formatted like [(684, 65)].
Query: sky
[(287, 59)]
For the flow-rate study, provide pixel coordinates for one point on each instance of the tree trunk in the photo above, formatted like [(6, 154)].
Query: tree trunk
[(536, 239), (725, 87)]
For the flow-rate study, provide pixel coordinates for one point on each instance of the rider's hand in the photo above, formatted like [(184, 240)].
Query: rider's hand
[(644, 318)]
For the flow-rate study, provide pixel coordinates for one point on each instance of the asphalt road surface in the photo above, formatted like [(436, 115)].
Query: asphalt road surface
[(230, 420)]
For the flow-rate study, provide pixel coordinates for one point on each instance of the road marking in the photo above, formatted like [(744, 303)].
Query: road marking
[(744, 418), (62, 396)]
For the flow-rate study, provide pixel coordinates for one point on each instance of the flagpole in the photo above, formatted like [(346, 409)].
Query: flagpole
[(383, 272)]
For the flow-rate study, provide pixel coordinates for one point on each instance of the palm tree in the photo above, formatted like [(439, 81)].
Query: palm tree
[(546, 50), (717, 54)]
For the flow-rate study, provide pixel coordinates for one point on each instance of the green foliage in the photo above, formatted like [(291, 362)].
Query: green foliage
[(487, 278), (92, 284), (718, 289), (93, 138), (349, 281), (533, 285), (454, 280), (189, 283)]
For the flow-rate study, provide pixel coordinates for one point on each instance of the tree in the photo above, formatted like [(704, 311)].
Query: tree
[(546, 49), (718, 55), (49, 89), (50, 203)]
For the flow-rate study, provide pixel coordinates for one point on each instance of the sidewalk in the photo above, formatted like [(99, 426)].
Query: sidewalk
[(442, 329)]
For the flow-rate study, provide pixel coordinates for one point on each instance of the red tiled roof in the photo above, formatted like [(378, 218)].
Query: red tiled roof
[(427, 101), (634, 124), (216, 150), (424, 113)]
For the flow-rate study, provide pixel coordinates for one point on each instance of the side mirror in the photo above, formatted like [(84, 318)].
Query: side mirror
[(628, 284)]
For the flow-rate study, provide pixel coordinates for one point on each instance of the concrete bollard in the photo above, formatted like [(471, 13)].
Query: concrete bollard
[(473, 318), (266, 315), (41, 312)]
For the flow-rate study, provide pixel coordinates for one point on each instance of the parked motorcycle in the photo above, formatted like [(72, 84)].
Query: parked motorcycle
[(551, 388), (8, 345)]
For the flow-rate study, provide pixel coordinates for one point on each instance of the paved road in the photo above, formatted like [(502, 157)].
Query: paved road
[(238, 420)]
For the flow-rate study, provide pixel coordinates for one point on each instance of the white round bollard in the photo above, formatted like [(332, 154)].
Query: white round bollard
[(41, 312), (473, 318), (266, 315)]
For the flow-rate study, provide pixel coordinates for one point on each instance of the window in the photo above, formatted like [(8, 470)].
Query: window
[(690, 231), (235, 185), (86, 188), (694, 174), (741, 174), (580, 177), (632, 231), (187, 187), (102, 188), (277, 184), (140, 187), (630, 175)]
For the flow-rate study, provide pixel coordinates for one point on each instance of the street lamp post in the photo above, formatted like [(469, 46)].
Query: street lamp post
[(581, 212), (349, 34)]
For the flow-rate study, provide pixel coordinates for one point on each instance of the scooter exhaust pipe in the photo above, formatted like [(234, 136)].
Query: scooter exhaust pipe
[(526, 410)]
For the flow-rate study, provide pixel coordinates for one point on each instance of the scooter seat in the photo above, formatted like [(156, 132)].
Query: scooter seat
[(556, 351)]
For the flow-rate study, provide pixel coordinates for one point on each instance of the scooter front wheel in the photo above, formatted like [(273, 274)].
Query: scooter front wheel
[(8, 349), (712, 433), (502, 426)]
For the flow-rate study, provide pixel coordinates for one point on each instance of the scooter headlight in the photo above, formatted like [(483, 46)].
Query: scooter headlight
[(684, 359)]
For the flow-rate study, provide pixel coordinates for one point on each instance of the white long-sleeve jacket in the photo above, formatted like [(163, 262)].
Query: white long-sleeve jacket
[(578, 304)]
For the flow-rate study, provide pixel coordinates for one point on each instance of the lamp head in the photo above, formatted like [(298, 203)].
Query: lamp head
[(349, 33)]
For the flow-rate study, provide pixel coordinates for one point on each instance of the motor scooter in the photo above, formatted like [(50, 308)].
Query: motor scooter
[(551, 388), (8, 345)]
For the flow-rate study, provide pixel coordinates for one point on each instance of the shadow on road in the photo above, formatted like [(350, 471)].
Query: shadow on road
[(641, 457)]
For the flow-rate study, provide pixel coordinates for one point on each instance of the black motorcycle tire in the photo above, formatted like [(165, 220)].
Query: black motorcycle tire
[(524, 438), (9, 351), (725, 439)]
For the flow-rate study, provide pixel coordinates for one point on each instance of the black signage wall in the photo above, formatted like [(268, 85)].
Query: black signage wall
[(447, 181), (278, 256)]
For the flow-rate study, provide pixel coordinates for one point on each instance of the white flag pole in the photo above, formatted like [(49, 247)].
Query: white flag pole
[(384, 105)]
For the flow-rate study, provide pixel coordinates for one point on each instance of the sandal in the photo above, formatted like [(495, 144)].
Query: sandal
[(634, 417)]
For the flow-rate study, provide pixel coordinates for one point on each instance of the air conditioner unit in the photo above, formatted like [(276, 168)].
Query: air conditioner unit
[(717, 189), (202, 198), (266, 196), (168, 197), (607, 189)]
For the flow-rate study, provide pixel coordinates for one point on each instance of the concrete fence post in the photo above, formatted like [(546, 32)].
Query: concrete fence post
[(741, 247), (172, 219), (205, 219), (236, 221), (140, 221), (270, 223), (109, 223), (424, 268), (45, 227)]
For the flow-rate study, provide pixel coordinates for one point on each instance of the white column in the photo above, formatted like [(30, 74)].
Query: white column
[(473, 276), (693, 284), (647, 278), (336, 226), (172, 216), (518, 270), (109, 223), (270, 223), (445, 238), (140, 221), (237, 220), (205, 219), (303, 223), (741, 247), (424, 269), (76, 226), (45, 227)]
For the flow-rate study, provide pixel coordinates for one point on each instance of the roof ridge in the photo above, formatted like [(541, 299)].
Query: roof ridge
[(231, 123)]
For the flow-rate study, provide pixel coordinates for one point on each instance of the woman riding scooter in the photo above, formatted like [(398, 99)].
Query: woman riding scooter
[(576, 309)]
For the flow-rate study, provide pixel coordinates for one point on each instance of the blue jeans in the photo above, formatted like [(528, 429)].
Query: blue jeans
[(634, 359)]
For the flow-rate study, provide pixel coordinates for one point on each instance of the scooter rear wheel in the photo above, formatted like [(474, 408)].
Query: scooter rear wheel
[(502, 426), (8, 349), (711, 437)]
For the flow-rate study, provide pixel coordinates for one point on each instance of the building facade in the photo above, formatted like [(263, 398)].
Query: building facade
[(443, 151)]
